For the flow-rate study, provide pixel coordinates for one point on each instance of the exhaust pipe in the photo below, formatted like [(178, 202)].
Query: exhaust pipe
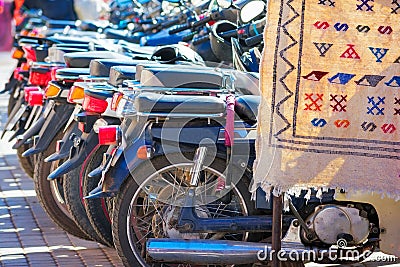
[(203, 251)]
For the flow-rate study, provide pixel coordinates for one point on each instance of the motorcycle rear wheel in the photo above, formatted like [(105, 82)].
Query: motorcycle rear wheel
[(97, 209), (27, 163), (132, 205), (50, 193), (73, 189)]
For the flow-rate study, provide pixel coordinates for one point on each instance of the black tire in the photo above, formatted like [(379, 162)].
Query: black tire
[(48, 198), (27, 163), (97, 209), (133, 255), (74, 199)]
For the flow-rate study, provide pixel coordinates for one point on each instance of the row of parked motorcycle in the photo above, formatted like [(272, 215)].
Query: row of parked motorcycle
[(139, 134)]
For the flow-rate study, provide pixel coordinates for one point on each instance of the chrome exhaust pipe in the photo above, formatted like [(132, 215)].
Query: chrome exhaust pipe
[(203, 251)]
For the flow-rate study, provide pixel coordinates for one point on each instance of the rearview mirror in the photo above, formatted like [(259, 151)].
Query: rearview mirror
[(251, 10)]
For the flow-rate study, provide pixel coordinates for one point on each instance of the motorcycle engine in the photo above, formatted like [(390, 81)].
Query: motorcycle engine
[(331, 223)]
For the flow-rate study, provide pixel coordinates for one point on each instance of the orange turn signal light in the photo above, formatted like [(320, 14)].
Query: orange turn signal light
[(17, 54), (145, 152), (52, 90), (75, 93)]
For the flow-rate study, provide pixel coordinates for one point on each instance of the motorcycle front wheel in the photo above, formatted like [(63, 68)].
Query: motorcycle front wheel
[(141, 208)]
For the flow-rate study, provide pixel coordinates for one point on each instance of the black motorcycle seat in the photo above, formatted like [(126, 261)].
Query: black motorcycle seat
[(66, 49), (101, 67), (82, 59), (101, 92), (165, 105), (246, 108), (72, 72), (181, 77), (60, 24), (149, 64), (137, 49), (69, 39), (119, 74)]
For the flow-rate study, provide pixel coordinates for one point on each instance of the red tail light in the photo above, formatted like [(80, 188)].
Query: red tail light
[(115, 100), (109, 135), (30, 53), (28, 90), (39, 76), (35, 98), (93, 104)]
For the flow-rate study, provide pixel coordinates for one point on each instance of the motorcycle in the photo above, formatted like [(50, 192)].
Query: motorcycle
[(185, 200)]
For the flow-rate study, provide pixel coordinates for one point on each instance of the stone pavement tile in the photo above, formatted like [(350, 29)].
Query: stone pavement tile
[(68, 262)]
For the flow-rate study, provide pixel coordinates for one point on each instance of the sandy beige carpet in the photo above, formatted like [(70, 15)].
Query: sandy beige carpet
[(331, 96)]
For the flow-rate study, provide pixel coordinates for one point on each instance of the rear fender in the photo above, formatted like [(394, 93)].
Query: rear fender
[(55, 121), (67, 142), (82, 147)]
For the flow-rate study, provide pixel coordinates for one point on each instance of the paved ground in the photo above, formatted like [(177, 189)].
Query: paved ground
[(27, 236)]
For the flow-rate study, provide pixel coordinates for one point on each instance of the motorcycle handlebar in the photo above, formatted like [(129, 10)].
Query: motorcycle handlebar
[(145, 21), (179, 28), (254, 40), (201, 22), (170, 23), (229, 34), (200, 40)]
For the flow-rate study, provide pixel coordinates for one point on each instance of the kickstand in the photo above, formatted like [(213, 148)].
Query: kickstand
[(276, 229)]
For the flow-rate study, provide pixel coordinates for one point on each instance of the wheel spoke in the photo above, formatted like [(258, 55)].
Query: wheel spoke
[(165, 190)]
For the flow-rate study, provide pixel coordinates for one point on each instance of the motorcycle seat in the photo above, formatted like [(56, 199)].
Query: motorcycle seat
[(151, 104), (119, 74), (71, 73), (136, 48), (101, 67), (246, 108), (182, 77), (69, 39), (82, 59), (60, 24), (47, 64), (101, 92), (67, 49)]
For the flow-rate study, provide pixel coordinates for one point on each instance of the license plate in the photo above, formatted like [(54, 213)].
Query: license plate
[(16, 117)]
